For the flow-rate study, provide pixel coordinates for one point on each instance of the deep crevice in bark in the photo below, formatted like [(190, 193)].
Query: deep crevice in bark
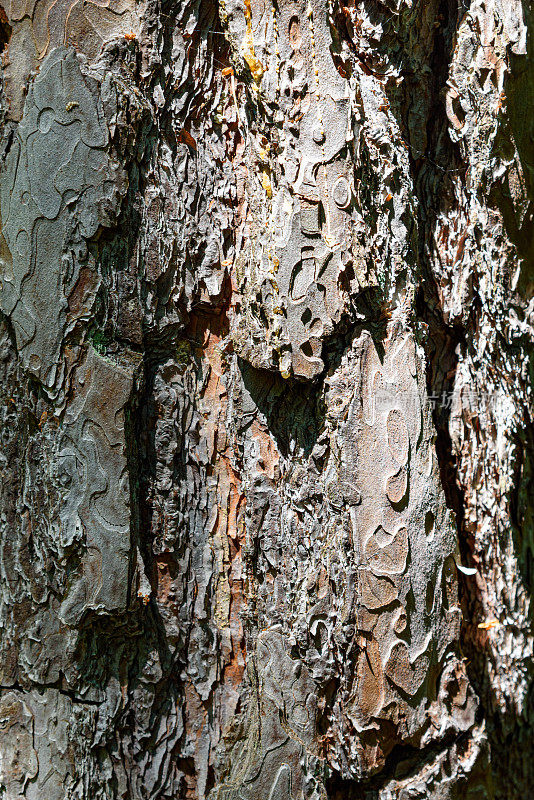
[(403, 762), (5, 30)]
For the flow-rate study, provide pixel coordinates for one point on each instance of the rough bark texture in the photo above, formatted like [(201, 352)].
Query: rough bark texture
[(267, 315)]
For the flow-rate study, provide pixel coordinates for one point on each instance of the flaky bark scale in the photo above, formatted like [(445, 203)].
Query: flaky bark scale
[(266, 407)]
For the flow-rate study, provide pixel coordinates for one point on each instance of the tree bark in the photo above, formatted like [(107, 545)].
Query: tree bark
[(267, 314)]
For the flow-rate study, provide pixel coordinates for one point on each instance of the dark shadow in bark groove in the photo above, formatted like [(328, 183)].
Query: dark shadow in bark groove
[(404, 762), (5, 30), (291, 408)]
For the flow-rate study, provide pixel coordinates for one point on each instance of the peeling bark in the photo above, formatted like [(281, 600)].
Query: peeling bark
[(266, 297)]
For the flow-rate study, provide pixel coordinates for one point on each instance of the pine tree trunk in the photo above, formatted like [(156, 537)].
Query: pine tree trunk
[(267, 313)]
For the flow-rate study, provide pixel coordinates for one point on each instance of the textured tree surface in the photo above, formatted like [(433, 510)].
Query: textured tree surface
[(267, 452)]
